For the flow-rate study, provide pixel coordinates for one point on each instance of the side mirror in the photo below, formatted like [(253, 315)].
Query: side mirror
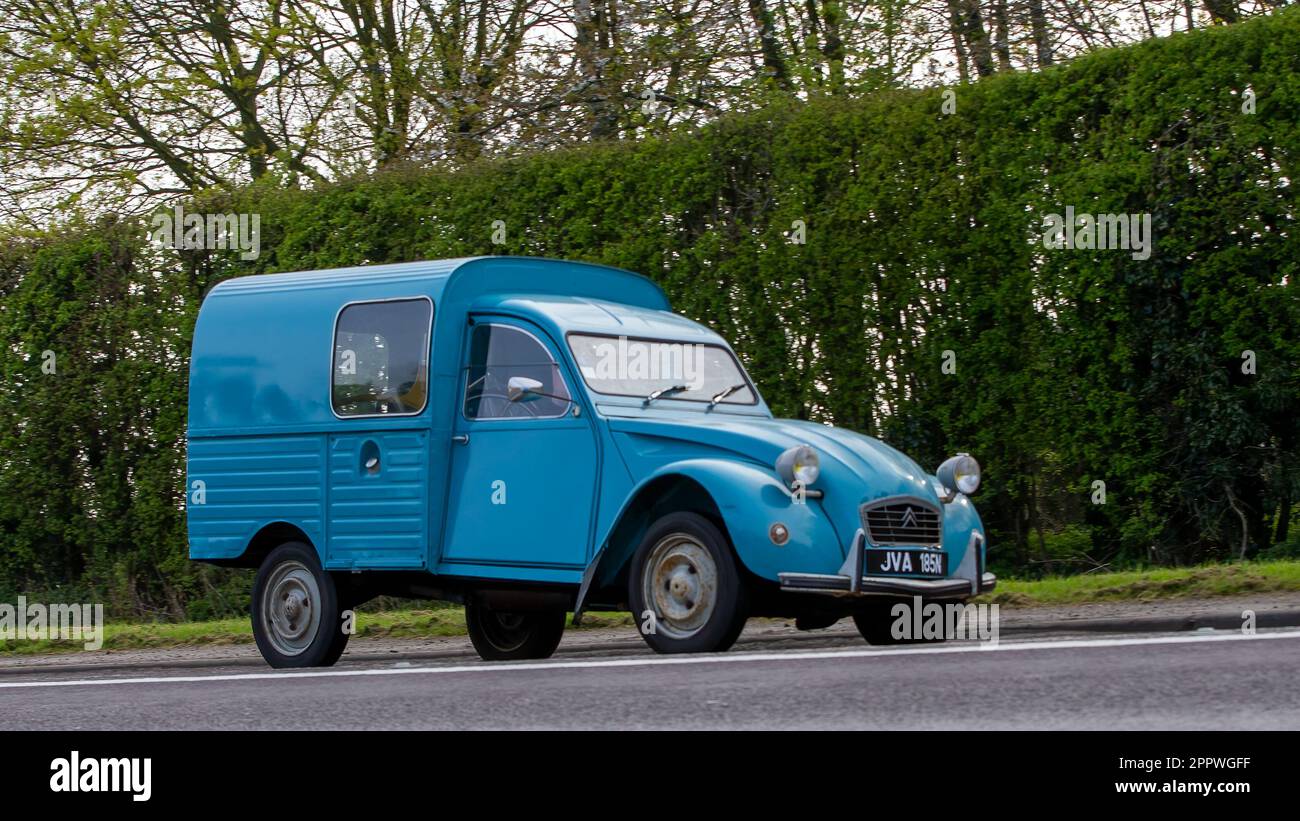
[(522, 389)]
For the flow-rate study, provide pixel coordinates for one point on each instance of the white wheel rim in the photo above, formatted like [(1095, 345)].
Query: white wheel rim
[(680, 585), (291, 608)]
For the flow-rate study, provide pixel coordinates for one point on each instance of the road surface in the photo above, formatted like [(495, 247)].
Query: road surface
[(1199, 680)]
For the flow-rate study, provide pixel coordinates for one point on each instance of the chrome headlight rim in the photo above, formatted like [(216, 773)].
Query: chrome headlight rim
[(960, 474), (799, 466)]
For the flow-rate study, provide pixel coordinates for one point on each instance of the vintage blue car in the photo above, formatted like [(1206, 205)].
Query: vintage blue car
[(534, 437)]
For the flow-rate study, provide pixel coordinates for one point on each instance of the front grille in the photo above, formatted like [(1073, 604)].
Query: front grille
[(902, 522)]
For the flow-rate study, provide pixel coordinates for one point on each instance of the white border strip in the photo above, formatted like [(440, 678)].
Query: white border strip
[(653, 661)]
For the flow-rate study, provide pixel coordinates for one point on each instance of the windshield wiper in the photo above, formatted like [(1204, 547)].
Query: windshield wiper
[(665, 391), (718, 397)]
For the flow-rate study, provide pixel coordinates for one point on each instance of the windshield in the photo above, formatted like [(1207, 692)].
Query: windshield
[(695, 371)]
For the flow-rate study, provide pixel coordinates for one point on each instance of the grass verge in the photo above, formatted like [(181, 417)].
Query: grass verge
[(443, 621), (1205, 581)]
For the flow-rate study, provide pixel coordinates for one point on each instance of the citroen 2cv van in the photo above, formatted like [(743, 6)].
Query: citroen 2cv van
[(534, 437)]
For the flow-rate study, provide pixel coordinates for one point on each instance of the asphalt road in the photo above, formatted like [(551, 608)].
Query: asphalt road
[(1214, 680)]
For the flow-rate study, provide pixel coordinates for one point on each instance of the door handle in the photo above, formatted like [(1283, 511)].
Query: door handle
[(461, 438), (370, 456)]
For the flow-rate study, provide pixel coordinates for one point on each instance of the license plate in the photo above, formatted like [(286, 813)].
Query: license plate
[(906, 563)]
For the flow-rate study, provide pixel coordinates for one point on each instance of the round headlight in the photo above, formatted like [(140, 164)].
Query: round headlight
[(798, 465), (961, 474)]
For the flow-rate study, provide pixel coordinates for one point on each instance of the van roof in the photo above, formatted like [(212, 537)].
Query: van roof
[(483, 274), (582, 314), (263, 345)]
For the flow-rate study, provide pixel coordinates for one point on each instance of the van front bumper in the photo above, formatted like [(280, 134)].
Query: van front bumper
[(969, 579), (837, 585)]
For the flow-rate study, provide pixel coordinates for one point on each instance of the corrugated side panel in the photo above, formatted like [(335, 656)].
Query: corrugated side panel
[(249, 482), (381, 520)]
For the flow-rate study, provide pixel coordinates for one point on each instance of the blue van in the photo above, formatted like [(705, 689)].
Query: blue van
[(534, 437)]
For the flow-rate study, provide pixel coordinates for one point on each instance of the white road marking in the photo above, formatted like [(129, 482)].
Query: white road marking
[(653, 661)]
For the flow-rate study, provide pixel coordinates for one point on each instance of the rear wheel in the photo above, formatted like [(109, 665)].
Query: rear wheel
[(500, 635), (296, 610), (876, 622), (685, 589)]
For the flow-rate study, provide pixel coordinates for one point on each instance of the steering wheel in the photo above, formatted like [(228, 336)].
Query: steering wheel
[(492, 405), (391, 400)]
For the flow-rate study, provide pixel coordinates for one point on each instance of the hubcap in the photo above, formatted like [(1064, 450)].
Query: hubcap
[(291, 608), (506, 631), (680, 585)]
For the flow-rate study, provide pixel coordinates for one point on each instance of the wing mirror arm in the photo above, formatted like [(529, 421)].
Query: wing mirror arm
[(523, 389)]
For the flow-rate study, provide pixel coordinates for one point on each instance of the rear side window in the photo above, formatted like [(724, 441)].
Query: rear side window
[(381, 358)]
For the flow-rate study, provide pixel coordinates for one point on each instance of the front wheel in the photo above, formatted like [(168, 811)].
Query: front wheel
[(500, 635), (685, 589), (296, 610)]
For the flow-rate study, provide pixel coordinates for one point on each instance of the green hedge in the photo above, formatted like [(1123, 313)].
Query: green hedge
[(923, 236)]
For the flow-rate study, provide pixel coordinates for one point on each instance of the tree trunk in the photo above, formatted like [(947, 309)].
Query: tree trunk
[(833, 43), (1146, 19), (1241, 514), (1222, 11), (1041, 32), (1283, 519), (774, 68), (956, 30), (591, 22), (1002, 35), (978, 43)]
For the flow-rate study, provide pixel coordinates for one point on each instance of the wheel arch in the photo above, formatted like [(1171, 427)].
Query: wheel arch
[(268, 538), (667, 491), (738, 497), (743, 500)]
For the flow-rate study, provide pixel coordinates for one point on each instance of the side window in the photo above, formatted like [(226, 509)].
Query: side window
[(381, 358), (499, 352)]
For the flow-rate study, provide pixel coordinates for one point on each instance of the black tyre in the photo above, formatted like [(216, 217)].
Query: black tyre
[(340, 640), (685, 589), (296, 610), (875, 621), (499, 635)]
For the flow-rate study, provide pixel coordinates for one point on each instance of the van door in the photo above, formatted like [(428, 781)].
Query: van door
[(379, 461), (524, 468)]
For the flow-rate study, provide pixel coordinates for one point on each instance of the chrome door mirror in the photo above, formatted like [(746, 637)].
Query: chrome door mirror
[(522, 389)]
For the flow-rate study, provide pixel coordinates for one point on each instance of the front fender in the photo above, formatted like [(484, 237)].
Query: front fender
[(750, 500), (960, 519)]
